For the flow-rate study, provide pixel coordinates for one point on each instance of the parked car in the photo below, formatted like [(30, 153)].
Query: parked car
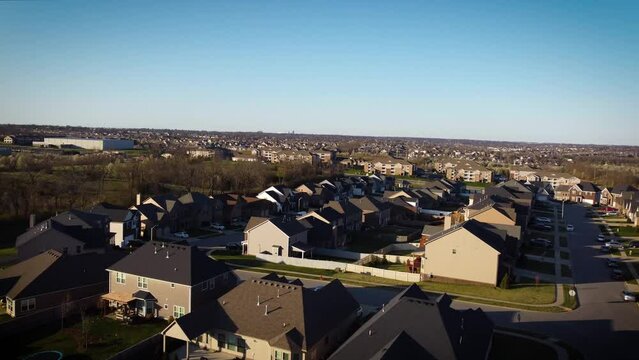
[(613, 263), (614, 245), (617, 274), (181, 235), (601, 238), (543, 219), (541, 227), (541, 242), (233, 246), (569, 227), (627, 295), (216, 226), (634, 244)]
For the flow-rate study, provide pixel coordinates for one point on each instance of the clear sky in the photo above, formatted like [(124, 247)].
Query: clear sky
[(556, 71)]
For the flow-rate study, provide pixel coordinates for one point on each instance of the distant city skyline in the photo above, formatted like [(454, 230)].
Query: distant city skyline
[(545, 72)]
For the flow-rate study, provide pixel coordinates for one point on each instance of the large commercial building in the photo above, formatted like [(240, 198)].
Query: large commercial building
[(89, 144)]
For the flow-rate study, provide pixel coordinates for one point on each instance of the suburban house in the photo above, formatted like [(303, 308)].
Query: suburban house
[(278, 195), (590, 193), (606, 198), (166, 280), (617, 194), (72, 232), (253, 206), (124, 224), (470, 251), (415, 326), (375, 213), (272, 318), (351, 213), (199, 209), (320, 233), (154, 221), (282, 236), (52, 278)]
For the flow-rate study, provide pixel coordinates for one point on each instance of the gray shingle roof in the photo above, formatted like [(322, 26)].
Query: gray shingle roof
[(185, 264), (442, 332)]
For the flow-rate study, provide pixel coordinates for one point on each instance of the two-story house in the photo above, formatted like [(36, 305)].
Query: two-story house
[(166, 280), (281, 236), (271, 318), (124, 224)]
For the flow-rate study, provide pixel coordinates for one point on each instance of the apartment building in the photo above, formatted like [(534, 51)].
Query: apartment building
[(389, 166), (466, 170)]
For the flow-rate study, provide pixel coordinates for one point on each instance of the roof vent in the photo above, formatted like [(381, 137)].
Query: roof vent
[(383, 307), (370, 332), (278, 293), (283, 324), (167, 254), (162, 245), (266, 312), (155, 250), (223, 302), (258, 300)]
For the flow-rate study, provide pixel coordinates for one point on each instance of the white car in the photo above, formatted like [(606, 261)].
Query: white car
[(601, 238), (614, 245), (215, 226), (569, 227), (181, 235), (543, 219)]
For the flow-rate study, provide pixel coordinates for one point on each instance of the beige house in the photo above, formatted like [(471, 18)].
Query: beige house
[(272, 318), (468, 252), (166, 280), (554, 178), (389, 166), (278, 236)]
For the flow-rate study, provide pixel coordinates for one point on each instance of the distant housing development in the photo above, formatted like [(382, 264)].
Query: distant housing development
[(389, 166), (554, 178), (466, 170), (89, 144)]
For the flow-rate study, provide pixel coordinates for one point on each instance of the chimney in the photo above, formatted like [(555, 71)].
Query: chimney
[(32, 220), (448, 220), (138, 199)]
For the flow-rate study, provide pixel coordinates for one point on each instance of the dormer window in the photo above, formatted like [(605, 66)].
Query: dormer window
[(454, 251)]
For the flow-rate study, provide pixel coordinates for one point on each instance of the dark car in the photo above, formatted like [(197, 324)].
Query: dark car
[(617, 274), (613, 263)]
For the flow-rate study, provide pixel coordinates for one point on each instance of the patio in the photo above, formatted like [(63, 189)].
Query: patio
[(200, 354)]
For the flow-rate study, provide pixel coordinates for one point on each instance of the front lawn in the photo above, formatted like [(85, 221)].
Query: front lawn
[(524, 292), (106, 337), (538, 266), (251, 261), (625, 230)]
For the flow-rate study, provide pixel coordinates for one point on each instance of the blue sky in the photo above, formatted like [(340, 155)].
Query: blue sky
[(553, 71)]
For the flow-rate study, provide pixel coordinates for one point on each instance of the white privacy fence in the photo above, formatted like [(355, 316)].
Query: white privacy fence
[(333, 265)]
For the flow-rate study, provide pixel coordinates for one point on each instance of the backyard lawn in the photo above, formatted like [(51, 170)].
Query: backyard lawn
[(538, 266), (524, 292), (370, 241), (106, 337)]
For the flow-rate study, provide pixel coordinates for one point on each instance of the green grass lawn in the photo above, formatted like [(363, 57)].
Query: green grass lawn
[(564, 255), (625, 230), (478, 184), (391, 266), (566, 271), (506, 347), (8, 252), (107, 337), (539, 266), (538, 251), (524, 292)]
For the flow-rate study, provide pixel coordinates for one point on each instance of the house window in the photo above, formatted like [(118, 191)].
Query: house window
[(172, 285), (178, 311), (166, 306), (143, 283), (120, 278), (281, 355), (27, 305), (454, 251), (9, 306)]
